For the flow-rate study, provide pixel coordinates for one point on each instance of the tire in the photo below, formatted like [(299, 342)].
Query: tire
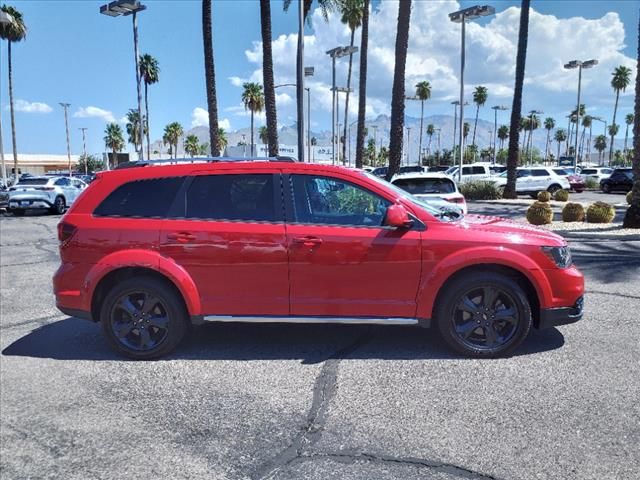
[(579, 190), (469, 333), (135, 335), (59, 205), (553, 188), (17, 212), (606, 188)]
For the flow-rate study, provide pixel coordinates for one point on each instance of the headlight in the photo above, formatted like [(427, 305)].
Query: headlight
[(561, 256)]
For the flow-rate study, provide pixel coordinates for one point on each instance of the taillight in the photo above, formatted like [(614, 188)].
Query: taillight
[(455, 200), (65, 231)]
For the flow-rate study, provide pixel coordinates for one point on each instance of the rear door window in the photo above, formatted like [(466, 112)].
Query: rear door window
[(237, 197), (539, 172), (149, 198)]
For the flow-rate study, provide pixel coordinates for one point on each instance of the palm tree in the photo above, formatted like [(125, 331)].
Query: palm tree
[(600, 144), (629, 121), (114, 140), (560, 136), (549, 124), (13, 31), (351, 11), (326, 6), (263, 135), (480, 96), (423, 92), (397, 93), (587, 121), (503, 134), (192, 145), (524, 127), (430, 131), (203, 149), (632, 216), (133, 127), (465, 131), (253, 100), (362, 87), (150, 74), (534, 123), (223, 141), (267, 79), (171, 136), (516, 110), (620, 81), (210, 77)]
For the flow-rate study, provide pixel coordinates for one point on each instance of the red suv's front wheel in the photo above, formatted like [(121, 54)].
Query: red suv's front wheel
[(143, 318)]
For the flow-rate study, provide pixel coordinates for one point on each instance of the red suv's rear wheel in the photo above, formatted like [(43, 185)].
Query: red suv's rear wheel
[(143, 318), (484, 315)]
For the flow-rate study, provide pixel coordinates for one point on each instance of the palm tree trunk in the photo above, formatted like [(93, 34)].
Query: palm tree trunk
[(397, 98), (475, 125), (429, 145), (615, 110), (13, 118), (421, 122), (146, 110), (626, 135), (516, 110), (584, 131), (346, 103), (267, 76), (251, 148), (558, 152), (114, 159), (210, 77), (362, 93)]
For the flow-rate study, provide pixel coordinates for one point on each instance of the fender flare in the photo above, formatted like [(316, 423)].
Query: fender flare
[(432, 283), (144, 259)]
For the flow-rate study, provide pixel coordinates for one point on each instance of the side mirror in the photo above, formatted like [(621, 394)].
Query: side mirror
[(398, 217)]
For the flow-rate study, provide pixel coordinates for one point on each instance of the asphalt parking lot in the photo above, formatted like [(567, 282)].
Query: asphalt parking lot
[(316, 402)]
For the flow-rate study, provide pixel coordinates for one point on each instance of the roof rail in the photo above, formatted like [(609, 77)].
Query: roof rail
[(173, 161)]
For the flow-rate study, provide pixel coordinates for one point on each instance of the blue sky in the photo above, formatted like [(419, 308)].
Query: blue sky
[(73, 54)]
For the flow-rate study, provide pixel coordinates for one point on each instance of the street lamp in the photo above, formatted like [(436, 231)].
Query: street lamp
[(66, 106), (605, 127), (334, 53), (579, 65), (455, 104), (462, 16), (495, 109), (84, 148), (531, 114), (408, 155), (349, 140), (130, 7)]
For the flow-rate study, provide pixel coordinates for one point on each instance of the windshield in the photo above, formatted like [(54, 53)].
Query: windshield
[(422, 186), (439, 214)]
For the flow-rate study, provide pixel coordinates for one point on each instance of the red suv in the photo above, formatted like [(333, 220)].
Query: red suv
[(152, 250)]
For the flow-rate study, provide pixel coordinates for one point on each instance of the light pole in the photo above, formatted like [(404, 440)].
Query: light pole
[(130, 7), (84, 149), (605, 134), (438, 130), (462, 16), (244, 146), (351, 125), (531, 115), (334, 53), (4, 18), (579, 65), (66, 106), (408, 156), (495, 109)]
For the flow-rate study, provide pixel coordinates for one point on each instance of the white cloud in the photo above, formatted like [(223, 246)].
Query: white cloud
[(200, 118), (237, 81), (95, 112), (30, 107)]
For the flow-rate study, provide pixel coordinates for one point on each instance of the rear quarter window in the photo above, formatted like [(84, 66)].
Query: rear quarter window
[(149, 198)]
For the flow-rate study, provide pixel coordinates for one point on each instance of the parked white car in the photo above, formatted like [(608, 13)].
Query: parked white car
[(531, 180), (475, 171), (597, 173), (53, 193), (433, 188)]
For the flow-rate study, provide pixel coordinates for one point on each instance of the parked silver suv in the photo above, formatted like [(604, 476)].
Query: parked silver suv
[(53, 193)]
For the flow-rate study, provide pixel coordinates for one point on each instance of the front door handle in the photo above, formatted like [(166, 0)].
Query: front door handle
[(181, 237), (308, 241)]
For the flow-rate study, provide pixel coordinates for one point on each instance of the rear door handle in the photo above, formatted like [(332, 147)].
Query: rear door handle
[(181, 237), (308, 241)]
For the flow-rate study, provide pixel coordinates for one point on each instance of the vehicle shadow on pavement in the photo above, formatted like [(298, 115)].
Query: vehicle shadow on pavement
[(75, 339)]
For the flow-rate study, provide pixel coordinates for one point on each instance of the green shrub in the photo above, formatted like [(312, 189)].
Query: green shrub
[(600, 212), (480, 190), (573, 212), (544, 196), (539, 213), (629, 197), (561, 196), (591, 184)]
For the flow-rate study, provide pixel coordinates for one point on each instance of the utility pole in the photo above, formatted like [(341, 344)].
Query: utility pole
[(66, 124), (84, 149)]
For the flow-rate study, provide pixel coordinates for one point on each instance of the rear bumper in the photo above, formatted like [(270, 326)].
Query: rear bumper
[(553, 317), (31, 201)]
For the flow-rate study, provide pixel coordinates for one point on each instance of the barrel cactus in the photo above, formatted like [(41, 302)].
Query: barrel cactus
[(573, 212), (544, 196), (561, 196), (600, 212), (629, 197), (539, 213)]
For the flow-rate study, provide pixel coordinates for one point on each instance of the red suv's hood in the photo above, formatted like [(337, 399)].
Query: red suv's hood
[(508, 231)]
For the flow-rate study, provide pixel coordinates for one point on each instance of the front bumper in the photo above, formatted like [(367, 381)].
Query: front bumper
[(553, 317)]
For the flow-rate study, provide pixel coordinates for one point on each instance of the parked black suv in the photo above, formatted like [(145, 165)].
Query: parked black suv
[(620, 180)]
